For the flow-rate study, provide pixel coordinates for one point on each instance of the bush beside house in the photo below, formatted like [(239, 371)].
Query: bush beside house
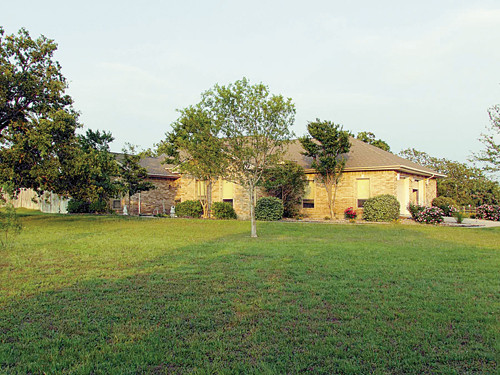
[(189, 208), (383, 207), (269, 209), (223, 210)]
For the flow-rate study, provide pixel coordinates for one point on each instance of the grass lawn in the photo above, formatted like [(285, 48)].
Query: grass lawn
[(114, 295)]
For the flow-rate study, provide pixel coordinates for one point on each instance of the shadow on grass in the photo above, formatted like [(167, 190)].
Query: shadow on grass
[(274, 305)]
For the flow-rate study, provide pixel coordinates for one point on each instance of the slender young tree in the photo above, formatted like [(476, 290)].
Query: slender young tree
[(195, 148), (491, 154), (255, 126), (327, 144)]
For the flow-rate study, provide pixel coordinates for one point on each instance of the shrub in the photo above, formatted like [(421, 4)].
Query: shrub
[(223, 210), (415, 209), (269, 209), (488, 212), (446, 204), (430, 215), (381, 208), (349, 213), (99, 206), (77, 206), (189, 209)]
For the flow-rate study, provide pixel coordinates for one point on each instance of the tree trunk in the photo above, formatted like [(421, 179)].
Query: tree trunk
[(209, 198), (251, 190), (328, 187)]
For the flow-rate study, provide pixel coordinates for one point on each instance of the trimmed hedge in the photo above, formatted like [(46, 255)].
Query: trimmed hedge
[(446, 204), (223, 210), (189, 209), (269, 209), (381, 208)]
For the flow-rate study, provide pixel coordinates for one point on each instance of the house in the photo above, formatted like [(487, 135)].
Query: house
[(369, 171)]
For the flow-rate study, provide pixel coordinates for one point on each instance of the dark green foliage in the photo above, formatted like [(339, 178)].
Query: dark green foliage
[(77, 206), (269, 209), (415, 209), (9, 223), (132, 174), (94, 174), (223, 210), (327, 144), (383, 207), (37, 122), (189, 209), (446, 204), (369, 137), (287, 182)]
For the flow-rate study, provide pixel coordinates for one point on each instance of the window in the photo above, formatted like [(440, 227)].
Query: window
[(363, 191), (117, 204), (227, 190), (308, 201), (230, 201), (201, 189)]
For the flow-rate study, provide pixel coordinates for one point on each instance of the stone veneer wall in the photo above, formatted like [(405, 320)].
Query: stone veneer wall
[(381, 182), (170, 191), (153, 201)]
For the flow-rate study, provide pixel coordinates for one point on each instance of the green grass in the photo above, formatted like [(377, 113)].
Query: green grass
[(114, 295)]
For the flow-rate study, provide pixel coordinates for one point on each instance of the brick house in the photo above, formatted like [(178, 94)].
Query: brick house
[(369, 171)]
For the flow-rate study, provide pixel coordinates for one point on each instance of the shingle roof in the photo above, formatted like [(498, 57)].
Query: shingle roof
[(156, 169), (154, 166), (364, 157)]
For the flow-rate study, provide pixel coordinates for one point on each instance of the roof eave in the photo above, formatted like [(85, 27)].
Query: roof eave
[(399, 168)]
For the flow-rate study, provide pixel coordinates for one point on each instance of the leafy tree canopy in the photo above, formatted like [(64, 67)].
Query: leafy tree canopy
[(369, 137), (37, 122), (255, 126), (464, 183), (195, 148), (132, 174), (327, 144), (491, 154)]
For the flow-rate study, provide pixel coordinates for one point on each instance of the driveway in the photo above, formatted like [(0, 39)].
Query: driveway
[(473, 223)]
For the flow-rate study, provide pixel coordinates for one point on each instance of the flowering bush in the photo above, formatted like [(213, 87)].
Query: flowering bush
[(415, 209), (430, 215), (349, 213), (446, 204), (488, 212)]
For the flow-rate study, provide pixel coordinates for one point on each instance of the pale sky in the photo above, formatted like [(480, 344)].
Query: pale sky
[(417, 74)]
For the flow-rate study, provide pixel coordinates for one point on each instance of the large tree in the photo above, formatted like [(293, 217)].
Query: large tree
[(194, 147), (327, 144), (37, 122), (491, 154), (370, 138), (255, 126), (464, 183)]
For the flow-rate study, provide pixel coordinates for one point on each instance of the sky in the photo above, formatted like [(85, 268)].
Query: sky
[(417, 74)]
